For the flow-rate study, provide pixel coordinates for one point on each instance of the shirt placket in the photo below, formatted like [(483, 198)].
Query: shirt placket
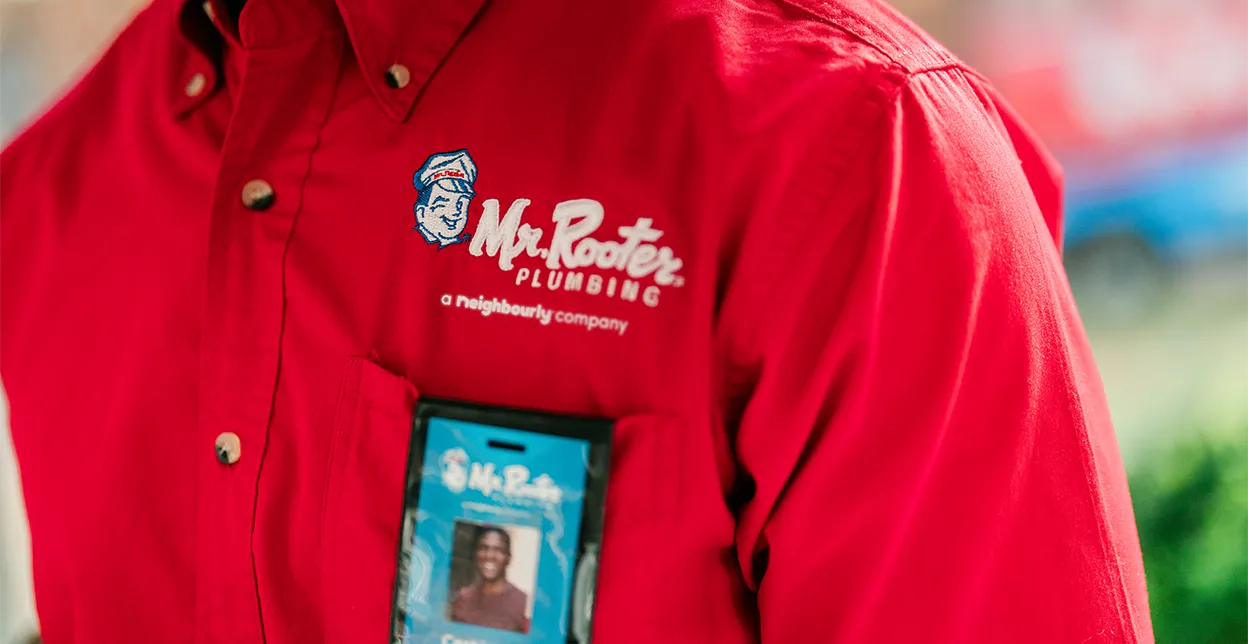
[(279, 111)]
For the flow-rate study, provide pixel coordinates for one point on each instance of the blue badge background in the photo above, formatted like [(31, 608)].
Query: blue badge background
[(565, 460)]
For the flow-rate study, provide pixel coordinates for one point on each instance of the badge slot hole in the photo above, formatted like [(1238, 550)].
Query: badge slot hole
[(511, 447)]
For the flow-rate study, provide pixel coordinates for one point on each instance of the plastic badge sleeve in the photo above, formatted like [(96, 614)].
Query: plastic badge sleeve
[(502, 526)]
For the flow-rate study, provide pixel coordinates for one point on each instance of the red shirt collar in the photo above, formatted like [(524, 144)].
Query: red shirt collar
[(383, 33)]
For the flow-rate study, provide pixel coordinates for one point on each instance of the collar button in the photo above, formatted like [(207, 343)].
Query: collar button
[(398, 76), (196, 85)]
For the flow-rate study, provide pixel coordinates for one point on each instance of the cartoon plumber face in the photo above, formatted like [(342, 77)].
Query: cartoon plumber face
[(444, 186)]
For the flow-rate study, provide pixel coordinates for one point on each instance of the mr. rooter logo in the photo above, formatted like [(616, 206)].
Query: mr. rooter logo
[(513, 482), (630, 267)]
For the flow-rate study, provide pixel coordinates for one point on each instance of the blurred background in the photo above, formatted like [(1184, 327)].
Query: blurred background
[(1146, 104)]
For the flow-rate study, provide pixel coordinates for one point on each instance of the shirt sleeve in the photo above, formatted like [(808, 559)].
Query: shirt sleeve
[(926, 444)]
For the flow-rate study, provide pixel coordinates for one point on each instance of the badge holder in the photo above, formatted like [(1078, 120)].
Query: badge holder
[(502, 526)]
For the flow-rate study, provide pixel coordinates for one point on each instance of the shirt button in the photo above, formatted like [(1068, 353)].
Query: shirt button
[(258, 194), (398, 76), (229, 448), (196, 85)]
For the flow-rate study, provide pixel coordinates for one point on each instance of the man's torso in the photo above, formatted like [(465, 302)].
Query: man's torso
[(622, 157)]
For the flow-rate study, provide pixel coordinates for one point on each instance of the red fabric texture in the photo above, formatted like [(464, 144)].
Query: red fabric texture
[(824, 300)]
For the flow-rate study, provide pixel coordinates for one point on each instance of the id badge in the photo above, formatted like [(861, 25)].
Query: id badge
[(502, 526)]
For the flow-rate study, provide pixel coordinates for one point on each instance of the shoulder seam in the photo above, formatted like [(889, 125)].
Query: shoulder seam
[(864, 129), (914, 61)]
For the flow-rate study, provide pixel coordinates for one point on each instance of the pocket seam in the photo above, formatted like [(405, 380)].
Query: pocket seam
[(337, 433), (371, 398)]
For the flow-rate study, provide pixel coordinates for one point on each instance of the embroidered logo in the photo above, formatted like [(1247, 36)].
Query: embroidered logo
[(630, 265), (444, 190)]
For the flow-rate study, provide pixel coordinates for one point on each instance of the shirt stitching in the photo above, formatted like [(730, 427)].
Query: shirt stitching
[(922, 59)]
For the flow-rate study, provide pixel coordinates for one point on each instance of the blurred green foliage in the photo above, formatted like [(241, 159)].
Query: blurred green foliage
[(1191, 505)]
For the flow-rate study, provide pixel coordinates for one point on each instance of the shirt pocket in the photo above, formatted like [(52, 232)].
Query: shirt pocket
[(365, 491), (364, 502), (642, 531)]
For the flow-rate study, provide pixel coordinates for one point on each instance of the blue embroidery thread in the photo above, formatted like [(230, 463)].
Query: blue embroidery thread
[(444, 191)]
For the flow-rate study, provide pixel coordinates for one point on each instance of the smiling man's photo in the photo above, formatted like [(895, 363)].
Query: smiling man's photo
[(491, 600)]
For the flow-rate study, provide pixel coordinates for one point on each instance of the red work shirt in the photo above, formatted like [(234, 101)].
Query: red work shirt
[(801, 254)]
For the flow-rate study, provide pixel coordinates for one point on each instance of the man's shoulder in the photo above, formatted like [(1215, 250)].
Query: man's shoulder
[(129, 74), (860, 33), (788, 61), (880, 27)]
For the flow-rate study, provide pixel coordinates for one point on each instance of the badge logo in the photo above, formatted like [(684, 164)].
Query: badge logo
[(454, 469), (444, 190), (513, 482)]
